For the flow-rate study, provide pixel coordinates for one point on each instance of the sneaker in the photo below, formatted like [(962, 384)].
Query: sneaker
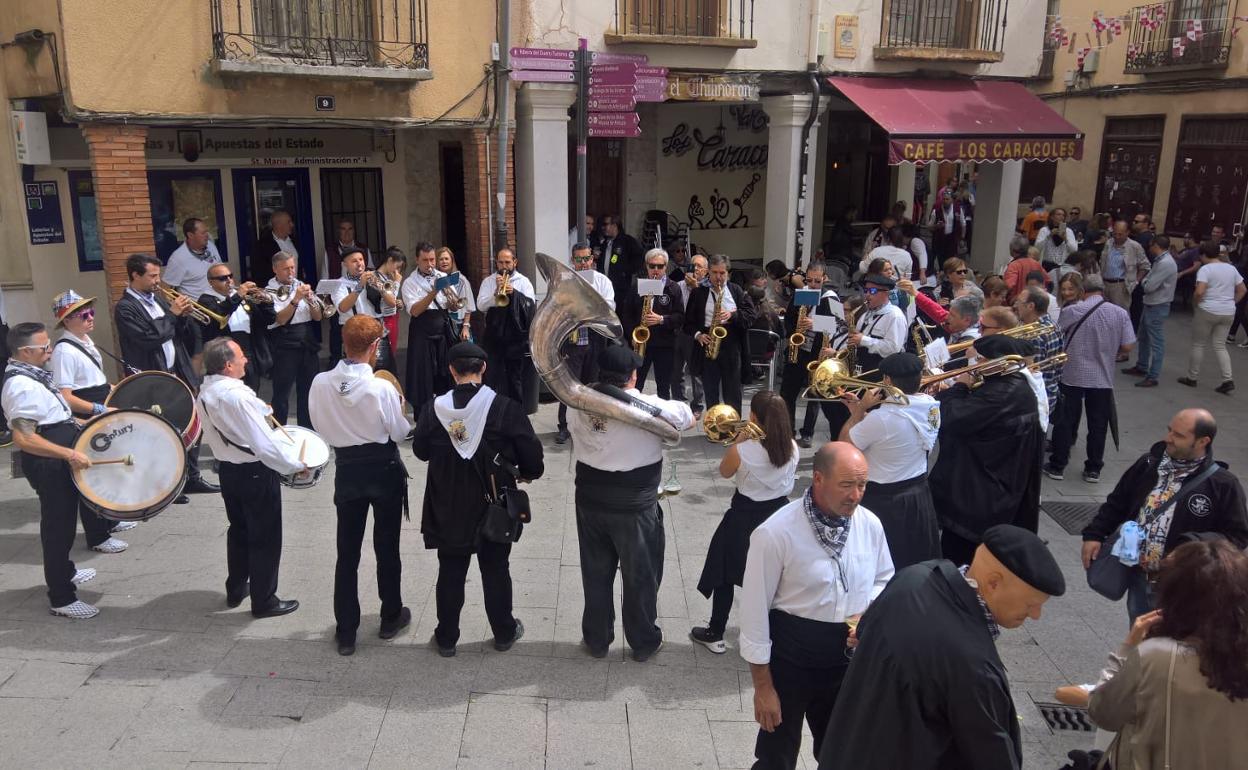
[(641, 656), (83, 576), (804, 442), (6, 438), (1244, 344), (505, 646), (709, 639), (123, 526), (1092, 477), (391, 629), (1230, 339), (1053, 473), (562, 436), (1147, 382), (111, 545), (1188, 381), (76, 611), (1225, 388), (1135, 371)]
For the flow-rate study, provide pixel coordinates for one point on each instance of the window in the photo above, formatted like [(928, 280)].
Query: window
[(86, 221), (301, 28), (179, 195)]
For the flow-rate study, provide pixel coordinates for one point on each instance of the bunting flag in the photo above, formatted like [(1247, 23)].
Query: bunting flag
[(1178, 46), (1194, 30), (1083, 54)]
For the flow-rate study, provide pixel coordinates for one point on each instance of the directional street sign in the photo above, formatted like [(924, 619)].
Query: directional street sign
[(543, 53), (618, 58), (656, 72), (615, 132), (543, 76), (604, 119), (613, 104), (528, 63), (652, 93), (600, 91)]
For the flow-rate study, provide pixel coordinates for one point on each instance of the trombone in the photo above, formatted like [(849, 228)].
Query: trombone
[(993, 367), (1023, 332), (831, 380), (197, 311)]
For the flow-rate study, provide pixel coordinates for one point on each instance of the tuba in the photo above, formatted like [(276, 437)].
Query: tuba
[(641, 333), (570, 303)]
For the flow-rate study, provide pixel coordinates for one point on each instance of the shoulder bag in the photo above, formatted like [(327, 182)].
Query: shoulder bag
[(507, 509)]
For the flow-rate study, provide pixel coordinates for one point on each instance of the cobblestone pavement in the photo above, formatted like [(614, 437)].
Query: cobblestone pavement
[(166, 676)]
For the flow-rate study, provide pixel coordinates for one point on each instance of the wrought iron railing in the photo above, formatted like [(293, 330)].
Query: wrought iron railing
[(968, 25), (686, 18), (352, 33), (1180, 35)]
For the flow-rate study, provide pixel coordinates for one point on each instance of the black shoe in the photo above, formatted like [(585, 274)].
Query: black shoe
[(391, 629), (232, 600), (804, 442), (711, 640), (446, 652), (641, 656), (1092, 477), (346, 647), (594, 652), (6, 438), (562, 436), (1147, 382), (505, 646), (1225, 388), (181, 500), (1054, 473), (200, 485), (1135, 371), (1188, 381), (278, 607)]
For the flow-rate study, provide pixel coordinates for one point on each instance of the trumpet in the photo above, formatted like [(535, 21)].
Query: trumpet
[(376, 281), (501, 297), (259, 296), (197, 311), (723, 425), (831, 380), (641, 333)]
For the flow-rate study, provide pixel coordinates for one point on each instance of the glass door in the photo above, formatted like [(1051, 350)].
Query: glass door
[(258, 195)]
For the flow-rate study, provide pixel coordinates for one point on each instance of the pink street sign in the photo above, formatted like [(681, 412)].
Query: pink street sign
[(627, 68), (618, 58), (544, 53), (615, 132), (542, 76), (650, 82), (653, 72), (526, 63), (603, 119), (612, 104), (599, 91)]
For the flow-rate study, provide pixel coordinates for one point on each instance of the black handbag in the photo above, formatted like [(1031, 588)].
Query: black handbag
[(507, 509)]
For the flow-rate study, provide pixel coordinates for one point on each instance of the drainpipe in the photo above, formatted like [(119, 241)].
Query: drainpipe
[(804, 197), (502, 92)]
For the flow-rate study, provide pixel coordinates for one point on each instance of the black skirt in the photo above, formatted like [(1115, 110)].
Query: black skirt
[(905, 509), (725, 558)]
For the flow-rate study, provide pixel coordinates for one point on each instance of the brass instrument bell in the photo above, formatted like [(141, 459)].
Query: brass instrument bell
[(722, 424)]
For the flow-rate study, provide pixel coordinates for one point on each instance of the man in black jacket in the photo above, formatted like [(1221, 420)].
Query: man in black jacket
[(278, 236), (247, 321), (1213, 502), (796, 374), (721, 376), (665, 317), (621, 261), (154, 337)]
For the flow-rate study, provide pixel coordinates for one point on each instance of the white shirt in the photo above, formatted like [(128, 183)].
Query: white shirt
[(918, 248), (729, 305), (240, 319), (788, 570), (900, 259), (892, 442), (601, 283), (489, 287), (287, 245), (350, 407), (27, 399), (188, 273), (757, 478), (1054, 309), (303, 311), (611, 445), (1220, 278), (1036, 381), (361, 307), (1055, 252), (883, 329), (154, 310), (228, 407), (416, 287), (71, 369), (467, 299)]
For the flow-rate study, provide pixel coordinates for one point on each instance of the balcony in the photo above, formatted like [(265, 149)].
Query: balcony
[(942, 30), (383, 40), (1152, 51), (717, 23)]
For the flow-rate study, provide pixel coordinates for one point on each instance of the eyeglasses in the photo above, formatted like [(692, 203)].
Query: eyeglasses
[(85, 315), (225, 277), (989, 327), (963, 271), (42, 348)]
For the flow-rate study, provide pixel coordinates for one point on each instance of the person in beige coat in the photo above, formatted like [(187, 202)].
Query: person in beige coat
[(1176, 692), (1123, 265)]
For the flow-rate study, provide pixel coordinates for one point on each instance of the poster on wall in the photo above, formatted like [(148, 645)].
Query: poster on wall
[(845, 46), (43, 213), (712, 172)]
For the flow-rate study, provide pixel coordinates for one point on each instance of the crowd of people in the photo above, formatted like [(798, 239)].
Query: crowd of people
[(884, 584)]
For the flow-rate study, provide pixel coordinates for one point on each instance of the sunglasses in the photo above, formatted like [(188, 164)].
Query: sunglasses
[(586, 258), (656, 266), (874, 290), (963, 271), (989, 327), (225, 277), (85, 315)]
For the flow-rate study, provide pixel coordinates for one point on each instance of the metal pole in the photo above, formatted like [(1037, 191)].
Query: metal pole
[(502, 92), (582, 134)]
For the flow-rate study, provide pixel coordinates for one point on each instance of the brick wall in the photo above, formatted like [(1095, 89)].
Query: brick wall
[(119, 173), (478, 194)]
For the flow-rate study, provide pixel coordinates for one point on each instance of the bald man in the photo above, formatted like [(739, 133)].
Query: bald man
[(813, 567), (1175, 488), (927, 689)]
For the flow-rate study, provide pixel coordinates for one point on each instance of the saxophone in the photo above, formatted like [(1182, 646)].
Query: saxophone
[(641, 333), (797, 339), (849, 354), (718, 332)]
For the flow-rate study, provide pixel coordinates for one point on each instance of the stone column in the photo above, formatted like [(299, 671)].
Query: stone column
[(996, 214), (542, 174), (787, 115), (124, 206)]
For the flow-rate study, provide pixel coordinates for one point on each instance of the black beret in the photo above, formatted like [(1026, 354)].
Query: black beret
[(619, 360), (1022, 552), (880, 280), (351, 250), (997, 345), (464, 350), (901, 365)]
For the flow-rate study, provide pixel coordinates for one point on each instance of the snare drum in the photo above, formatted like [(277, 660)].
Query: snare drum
[(163, 394), (145, 486), (310, 448)]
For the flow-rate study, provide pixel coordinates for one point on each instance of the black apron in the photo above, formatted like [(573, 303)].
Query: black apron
[(906, 510), (725, 558)]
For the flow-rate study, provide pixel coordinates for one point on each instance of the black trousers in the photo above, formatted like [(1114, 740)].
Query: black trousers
[(805, 693), (505, 375), (583, 363), (956, 548), (253, 543), (293, 367), (1099, 402), (493, 561), (94, 526), (335, 341), (684, 352), (721, 378), (357, 486), (633, 543), (58, 523), (661, 359)]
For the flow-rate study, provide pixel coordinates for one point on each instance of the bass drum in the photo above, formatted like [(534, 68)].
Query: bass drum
[(138, 465), (163, 394)]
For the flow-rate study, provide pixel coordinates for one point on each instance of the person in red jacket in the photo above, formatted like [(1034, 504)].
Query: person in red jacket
[(1015, 274)]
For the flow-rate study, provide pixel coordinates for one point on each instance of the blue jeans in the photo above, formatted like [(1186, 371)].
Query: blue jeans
[(1140, 597), (1152, 339)]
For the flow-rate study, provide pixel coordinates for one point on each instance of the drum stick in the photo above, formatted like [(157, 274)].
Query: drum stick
[(278, 425), (303, 450), (127, 460)]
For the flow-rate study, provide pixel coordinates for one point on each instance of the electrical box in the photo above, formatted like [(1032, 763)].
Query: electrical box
[(1091, 62)]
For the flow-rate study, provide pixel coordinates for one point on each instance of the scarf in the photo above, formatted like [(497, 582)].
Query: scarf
[(466, 427), (34, 372), (1171, 474), (830, 531)]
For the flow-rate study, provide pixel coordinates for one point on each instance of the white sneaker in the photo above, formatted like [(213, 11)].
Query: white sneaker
[(123, 526), (111, 545), (83, 576), (76, 611)]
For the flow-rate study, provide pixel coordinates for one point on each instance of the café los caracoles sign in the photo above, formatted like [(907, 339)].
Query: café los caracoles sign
[(983, 149)]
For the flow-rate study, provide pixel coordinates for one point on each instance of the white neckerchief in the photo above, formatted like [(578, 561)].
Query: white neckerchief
[(466, 426)]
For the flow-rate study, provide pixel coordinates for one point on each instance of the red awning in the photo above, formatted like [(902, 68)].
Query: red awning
[(952, 120)]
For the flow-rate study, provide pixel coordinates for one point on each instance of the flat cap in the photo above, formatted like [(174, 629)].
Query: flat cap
[(879, 280), (465, 350), (901, 365), (997, 345), (1022, 552), (618, 359)]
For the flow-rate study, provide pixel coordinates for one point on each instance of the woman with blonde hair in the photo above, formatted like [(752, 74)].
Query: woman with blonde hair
[(461, 301)]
